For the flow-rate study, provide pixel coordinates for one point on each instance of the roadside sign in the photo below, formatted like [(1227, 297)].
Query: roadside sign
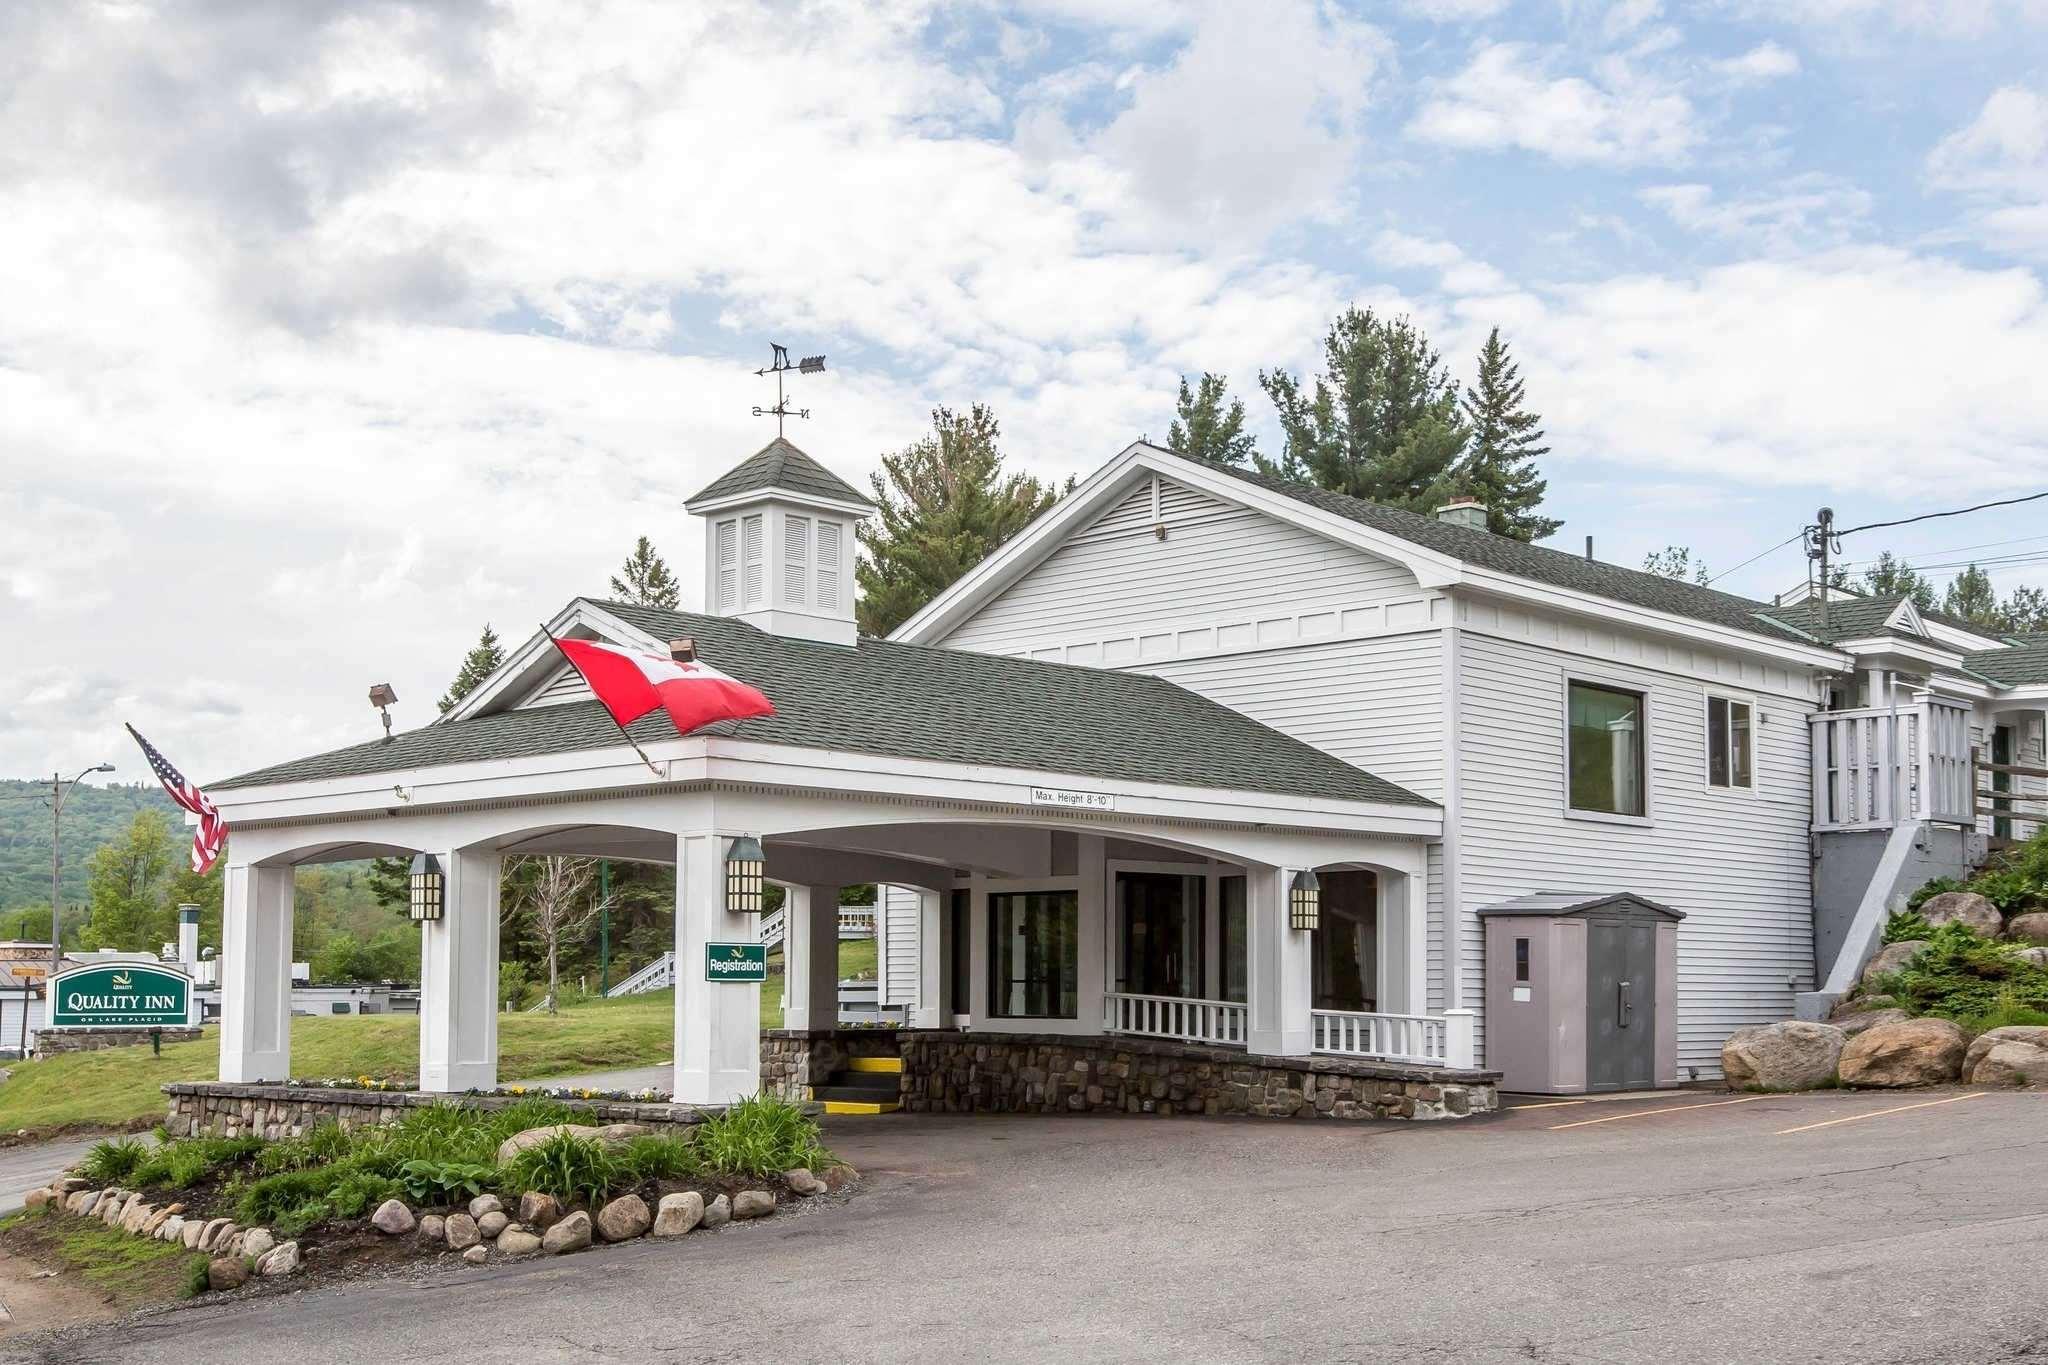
[(120, 995), (735, 962)]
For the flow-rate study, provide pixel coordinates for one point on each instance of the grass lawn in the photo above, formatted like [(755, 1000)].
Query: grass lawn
[(128, 1270)]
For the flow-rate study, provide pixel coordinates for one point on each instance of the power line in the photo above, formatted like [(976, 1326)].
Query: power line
[(1930, 516), (1751, 560), (1952, 549)]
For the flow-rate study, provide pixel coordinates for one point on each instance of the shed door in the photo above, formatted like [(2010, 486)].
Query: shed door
[(1621, 1005)]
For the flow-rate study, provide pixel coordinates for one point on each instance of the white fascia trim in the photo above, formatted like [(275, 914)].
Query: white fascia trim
[(1906, 616), (1925, 653), (537, 660), (1645, 618), (1077, 510), (739, 762), (2023, 697), (1955, 637), (777, 493)]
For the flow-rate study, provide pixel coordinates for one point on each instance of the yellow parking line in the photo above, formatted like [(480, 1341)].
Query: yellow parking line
[(1646, 1113), (1880, 1113)]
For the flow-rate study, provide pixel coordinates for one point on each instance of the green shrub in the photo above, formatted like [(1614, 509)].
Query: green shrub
[(657, 1157), (184, 1163), (439, 1132), (534, 1111), (112, 1159), (1962, 976), (566, 1166), (760, 1136), (444, 1182), (359, 1191), (265, 1201), (1929, 890), (2008, 1010), (1905, 926), (298, 1220)]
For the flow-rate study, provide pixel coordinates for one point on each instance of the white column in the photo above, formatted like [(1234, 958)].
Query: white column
[(934, 949), (459, 979), (1280, 967), (1404, 945), (1096, 927), (810, 956), (256, 974), (718, 1023)]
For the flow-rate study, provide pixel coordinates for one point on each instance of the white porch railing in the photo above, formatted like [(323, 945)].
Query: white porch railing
[(855, 921), (1432, 1039), (656, 975), (1167, 1016), (1875, 767)]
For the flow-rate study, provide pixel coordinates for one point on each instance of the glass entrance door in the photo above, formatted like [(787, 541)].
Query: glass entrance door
[(1347, 943), (1159, 934)]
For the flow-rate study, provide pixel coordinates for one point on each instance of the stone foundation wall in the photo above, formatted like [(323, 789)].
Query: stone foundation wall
[(221, 1109), (50, 1042), (793, 1060), (951, 1072)]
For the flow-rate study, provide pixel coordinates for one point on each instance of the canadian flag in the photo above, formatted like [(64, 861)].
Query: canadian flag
[(631, 683)]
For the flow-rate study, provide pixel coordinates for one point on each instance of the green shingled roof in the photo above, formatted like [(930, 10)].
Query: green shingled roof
[(909, 701), (2014, 667), (780, 464)]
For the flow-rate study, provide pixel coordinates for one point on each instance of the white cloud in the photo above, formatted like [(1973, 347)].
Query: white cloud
[(1942, 18), (1457, 273), (1508, 97), (1800, 212), (1766, 61), (1999, 163), (1454, 11)]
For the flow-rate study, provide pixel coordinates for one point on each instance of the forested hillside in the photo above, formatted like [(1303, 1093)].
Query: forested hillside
[(92, 816)]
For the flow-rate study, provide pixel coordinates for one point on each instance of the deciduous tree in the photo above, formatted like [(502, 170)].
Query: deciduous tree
[(1675, 561), (555, 899), (126, 881), (1891, 576), (1971, 596)]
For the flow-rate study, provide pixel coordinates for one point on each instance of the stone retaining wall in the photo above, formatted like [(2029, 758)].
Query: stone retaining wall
[(793, 1060), (270, 1111), (51, 1042)]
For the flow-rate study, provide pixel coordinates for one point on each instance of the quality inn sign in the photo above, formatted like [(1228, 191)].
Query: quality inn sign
[(120, 995)]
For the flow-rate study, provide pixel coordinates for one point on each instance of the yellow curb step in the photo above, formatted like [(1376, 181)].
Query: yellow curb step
[(861, 1107), (894, 1064)]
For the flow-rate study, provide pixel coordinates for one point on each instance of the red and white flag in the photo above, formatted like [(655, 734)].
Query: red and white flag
[(632, 683), (212, 831)]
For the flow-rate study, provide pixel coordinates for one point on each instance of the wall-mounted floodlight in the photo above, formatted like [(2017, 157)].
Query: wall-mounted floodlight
[(383, 698)]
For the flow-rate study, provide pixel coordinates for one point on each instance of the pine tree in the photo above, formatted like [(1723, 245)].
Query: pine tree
[(1971, 597), (1206, 429), (482, 660), (644, 579), (1500, 466), (1383, 422), (1676, 561), (1891, 576), (944, 506)]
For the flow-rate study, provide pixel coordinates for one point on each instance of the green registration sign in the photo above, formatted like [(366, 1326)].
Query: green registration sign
[(735, 962), (120, 995)]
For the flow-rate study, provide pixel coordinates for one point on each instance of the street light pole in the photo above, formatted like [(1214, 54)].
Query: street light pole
[(59, 789)]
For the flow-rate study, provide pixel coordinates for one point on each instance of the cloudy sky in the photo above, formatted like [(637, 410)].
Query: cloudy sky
[(329, 332)]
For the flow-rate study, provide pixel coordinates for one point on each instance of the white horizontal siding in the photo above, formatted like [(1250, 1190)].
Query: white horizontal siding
[(565, 684), (1223, 579), (1735, 862), (896, 928)]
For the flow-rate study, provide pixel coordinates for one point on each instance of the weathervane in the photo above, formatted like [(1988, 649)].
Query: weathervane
[(780, 366)]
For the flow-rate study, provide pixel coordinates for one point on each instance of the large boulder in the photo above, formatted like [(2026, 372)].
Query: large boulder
[(392, 1218), (433, 1228), (801, 1179), (538, 1210), (623, 1219), (1914, 1052), (2014, 1055), (460, 1231), (492, 1223), (718, 1212), (1893, 956), (678, 1213), (570, 1234), (1856, 1021), (752, 1204), (2037, 956), (1966, 908), (1794, 1055), (483, 1204), (2031, 927), (257, 1242), (517, 1241), (226, 1272), (281, 1259)]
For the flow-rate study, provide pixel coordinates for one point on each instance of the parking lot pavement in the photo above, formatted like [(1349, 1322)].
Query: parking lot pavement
[(1682, 1227)]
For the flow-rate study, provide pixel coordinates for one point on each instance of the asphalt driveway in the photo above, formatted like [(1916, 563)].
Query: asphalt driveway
[(1691, 1227)]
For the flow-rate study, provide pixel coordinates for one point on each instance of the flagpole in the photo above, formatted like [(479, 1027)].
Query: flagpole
[(606, 709)]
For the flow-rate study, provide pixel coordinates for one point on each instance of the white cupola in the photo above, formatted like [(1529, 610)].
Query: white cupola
[(778, 545)]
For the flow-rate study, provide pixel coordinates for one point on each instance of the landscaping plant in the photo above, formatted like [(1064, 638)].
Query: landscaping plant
[(112, 1159), (657, 1156), (444, 1182), (566, 1166), (1906, 926), (761, 1136), (1961, 975)]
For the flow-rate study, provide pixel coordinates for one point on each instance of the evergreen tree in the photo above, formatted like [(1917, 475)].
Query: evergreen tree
[(644, 579), (1676, 561), (1500, 467), (1891, 576), (482, 660), (1382, 423), (1971, 597), (126, 884), (1204, 428), (945, 505)]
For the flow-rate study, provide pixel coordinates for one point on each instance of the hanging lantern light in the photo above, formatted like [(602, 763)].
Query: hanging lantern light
[(428, 887), (746, 866), (1304, 901)]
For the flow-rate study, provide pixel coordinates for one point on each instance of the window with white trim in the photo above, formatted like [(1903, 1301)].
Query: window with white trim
[(728, 564), (796, 558), (1604, 730), (1730, 758), (752, 566)]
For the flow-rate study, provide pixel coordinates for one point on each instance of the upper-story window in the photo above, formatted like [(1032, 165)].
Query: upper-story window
[(1729, 757), (1605, 736)]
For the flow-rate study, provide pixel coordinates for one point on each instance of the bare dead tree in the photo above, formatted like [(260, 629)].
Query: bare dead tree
[(557, 895)]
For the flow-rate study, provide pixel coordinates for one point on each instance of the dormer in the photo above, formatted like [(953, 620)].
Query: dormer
[(778, 544)]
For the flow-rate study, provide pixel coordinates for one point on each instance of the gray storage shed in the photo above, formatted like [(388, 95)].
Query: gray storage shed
[(1582, 992)]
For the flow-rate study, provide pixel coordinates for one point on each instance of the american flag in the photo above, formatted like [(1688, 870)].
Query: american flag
[(213, 831)]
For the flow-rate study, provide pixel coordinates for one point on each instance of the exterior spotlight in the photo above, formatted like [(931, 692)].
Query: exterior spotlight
[(745, 868), (1304, 901), (683, 649), (383, 698), (428, 887)]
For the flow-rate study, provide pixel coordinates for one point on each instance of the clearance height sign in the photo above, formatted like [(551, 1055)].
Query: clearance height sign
[(120, 995)]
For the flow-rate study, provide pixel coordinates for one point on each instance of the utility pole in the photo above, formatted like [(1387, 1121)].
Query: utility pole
[(59, 789), (1820, 543)]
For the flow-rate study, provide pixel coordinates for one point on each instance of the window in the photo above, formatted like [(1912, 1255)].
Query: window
[(1728, 743), (1236, 938), (1035, 955), (1606, 741), (1521, 959), (796, 558)]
